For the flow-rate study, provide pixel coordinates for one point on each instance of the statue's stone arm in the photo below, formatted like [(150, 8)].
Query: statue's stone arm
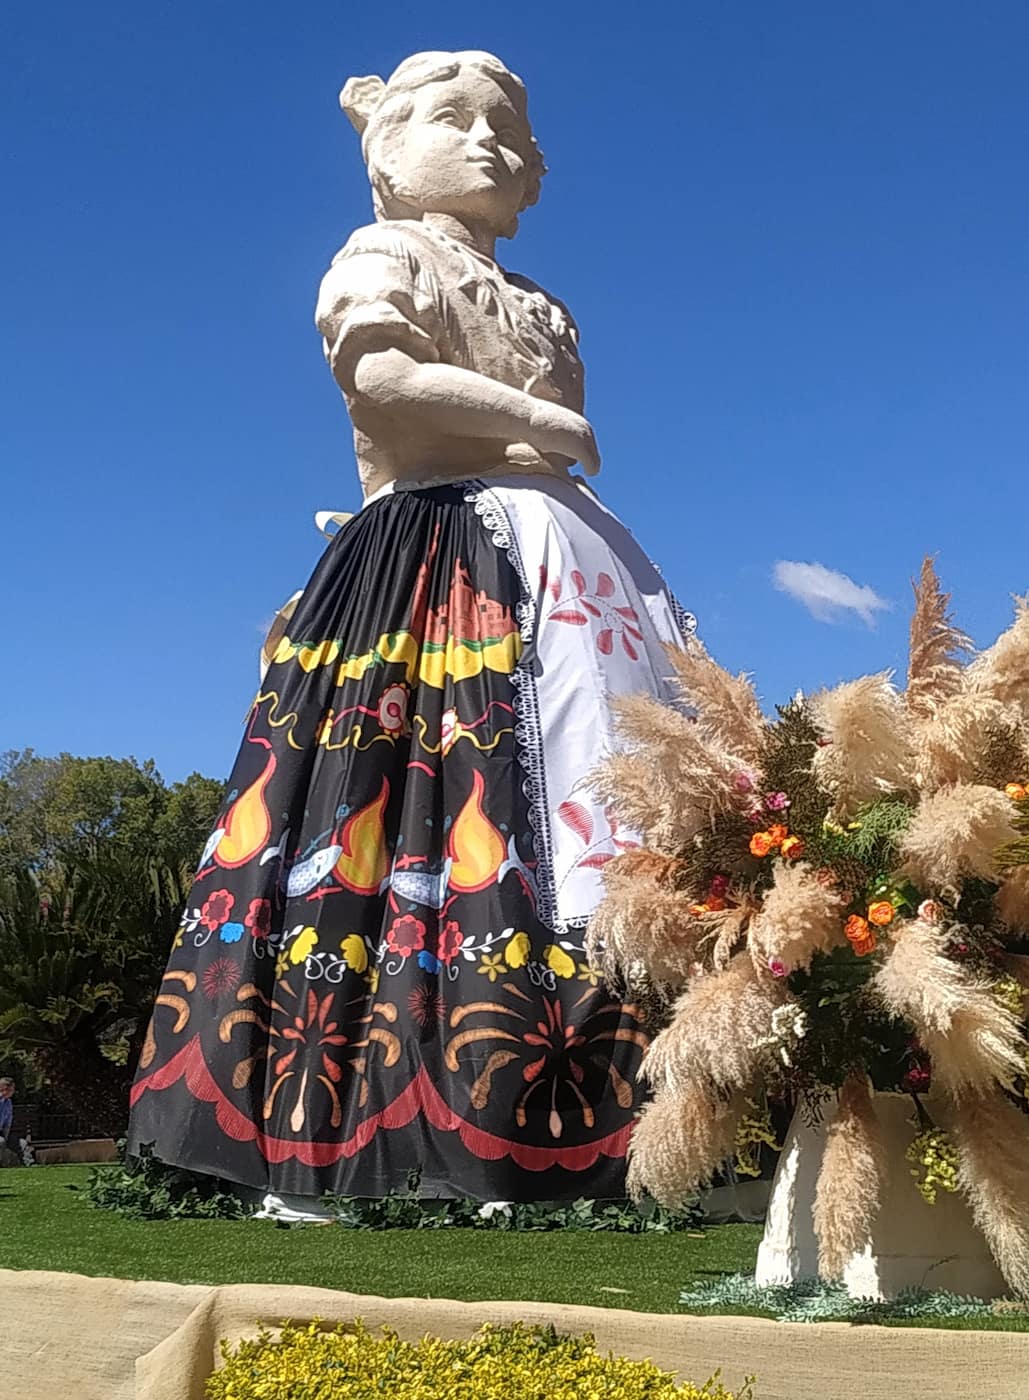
[(461, 403)]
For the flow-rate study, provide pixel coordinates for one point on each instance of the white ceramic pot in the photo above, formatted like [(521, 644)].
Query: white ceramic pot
[(913, 1244)]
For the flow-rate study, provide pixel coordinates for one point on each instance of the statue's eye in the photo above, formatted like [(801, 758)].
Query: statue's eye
[(448, 116)]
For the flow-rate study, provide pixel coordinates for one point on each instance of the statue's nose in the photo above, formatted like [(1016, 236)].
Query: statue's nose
[(482, 134)]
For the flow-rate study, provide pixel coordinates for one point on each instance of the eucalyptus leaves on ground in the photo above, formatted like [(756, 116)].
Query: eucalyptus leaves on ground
[(145, 1188)]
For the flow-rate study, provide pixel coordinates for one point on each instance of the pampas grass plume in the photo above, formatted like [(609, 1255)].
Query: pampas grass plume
[(647, 800), (954, 834), (992, 1140), (799, 916), (713, 1039), (935, 669), (678, 1144), (727, 706), (671, 780), (851, 1178), (723, 930), (870, 744), (641, 920), (1013, 900), (951, 743), (973, 1039), (1002, 671), (696, 768)]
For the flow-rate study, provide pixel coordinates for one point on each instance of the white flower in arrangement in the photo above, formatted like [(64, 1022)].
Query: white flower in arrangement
[(492, 1208), (788, 1025)]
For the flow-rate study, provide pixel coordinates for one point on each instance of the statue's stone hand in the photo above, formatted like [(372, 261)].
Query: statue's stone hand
[(559, 432)]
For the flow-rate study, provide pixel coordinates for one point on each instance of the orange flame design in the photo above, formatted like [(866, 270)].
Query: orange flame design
[(248, 823), (364, 863), (476, 847)]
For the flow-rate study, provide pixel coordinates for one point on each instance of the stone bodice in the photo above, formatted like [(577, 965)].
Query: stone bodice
[(404, 285)]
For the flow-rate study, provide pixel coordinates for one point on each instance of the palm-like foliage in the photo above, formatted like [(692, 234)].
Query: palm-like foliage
[(81, 951), (53, 980)]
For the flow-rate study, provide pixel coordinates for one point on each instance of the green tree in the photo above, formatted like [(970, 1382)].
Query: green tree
[(96, 860), (67, 808), (187, 819)]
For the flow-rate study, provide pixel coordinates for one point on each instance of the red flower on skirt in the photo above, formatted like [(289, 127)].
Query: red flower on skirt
[(259, 917), (406, 936), (220, 977), (425, 1004), (450, 940), (217, 908)]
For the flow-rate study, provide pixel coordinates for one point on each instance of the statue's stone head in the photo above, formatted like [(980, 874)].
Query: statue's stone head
[(448, 133)]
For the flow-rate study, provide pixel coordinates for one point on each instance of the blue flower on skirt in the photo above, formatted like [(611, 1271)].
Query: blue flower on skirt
[(231, 933)]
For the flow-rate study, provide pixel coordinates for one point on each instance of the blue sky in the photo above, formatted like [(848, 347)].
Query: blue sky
[(794, 237)]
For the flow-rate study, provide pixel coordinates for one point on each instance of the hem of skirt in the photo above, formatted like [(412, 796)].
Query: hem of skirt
[(419, 1099)]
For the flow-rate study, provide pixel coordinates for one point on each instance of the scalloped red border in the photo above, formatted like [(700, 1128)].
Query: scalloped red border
[(420, 1096)]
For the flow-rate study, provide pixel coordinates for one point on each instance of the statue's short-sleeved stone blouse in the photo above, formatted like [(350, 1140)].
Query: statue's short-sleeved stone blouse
[(404, 285)]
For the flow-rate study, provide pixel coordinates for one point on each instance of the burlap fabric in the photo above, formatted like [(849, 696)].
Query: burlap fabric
[(65, 1337), (72, 1338)]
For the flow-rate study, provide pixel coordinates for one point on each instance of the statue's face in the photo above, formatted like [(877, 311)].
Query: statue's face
[(463, 151)]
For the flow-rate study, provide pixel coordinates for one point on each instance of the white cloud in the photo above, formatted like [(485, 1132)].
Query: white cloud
[(827, 594)]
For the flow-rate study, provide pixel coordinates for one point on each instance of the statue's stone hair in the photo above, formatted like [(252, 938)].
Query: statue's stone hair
[(385, 122)]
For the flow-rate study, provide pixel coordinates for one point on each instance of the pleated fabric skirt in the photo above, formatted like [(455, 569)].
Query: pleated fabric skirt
[(380, 966)]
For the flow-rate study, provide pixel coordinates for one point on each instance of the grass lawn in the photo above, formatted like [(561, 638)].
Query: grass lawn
[(45, 1224)]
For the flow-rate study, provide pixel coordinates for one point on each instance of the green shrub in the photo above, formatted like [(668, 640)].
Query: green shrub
[(408, 1210), (510, 1363), (145, 1188)]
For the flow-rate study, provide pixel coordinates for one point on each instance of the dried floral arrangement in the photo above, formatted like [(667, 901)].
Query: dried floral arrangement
[(837, 900)]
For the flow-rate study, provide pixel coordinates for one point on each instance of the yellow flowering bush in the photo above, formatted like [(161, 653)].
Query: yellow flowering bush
[(510, 1363), (934, 1163)]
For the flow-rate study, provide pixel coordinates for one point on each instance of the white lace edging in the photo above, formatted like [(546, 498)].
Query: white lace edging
[(528, 724), (685, 621)]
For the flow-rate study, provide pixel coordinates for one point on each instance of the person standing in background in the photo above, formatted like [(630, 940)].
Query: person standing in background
[(8, 1155)]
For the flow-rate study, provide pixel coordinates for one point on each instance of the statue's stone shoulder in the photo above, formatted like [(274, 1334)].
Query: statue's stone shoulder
[(381, 293), (397, 239)]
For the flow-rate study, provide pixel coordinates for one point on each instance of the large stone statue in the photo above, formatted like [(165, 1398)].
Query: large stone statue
[(380, 967)]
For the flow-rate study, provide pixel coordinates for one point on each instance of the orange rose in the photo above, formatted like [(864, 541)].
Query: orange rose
[(714, 904), (881, 913), (761, 843), (778, 834), (861, 938), (1016, 791), (793, 847)]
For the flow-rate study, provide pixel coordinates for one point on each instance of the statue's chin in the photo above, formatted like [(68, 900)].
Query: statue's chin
[(482, 203)]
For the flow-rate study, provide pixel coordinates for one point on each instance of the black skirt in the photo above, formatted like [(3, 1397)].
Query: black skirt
[(361, 984)]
